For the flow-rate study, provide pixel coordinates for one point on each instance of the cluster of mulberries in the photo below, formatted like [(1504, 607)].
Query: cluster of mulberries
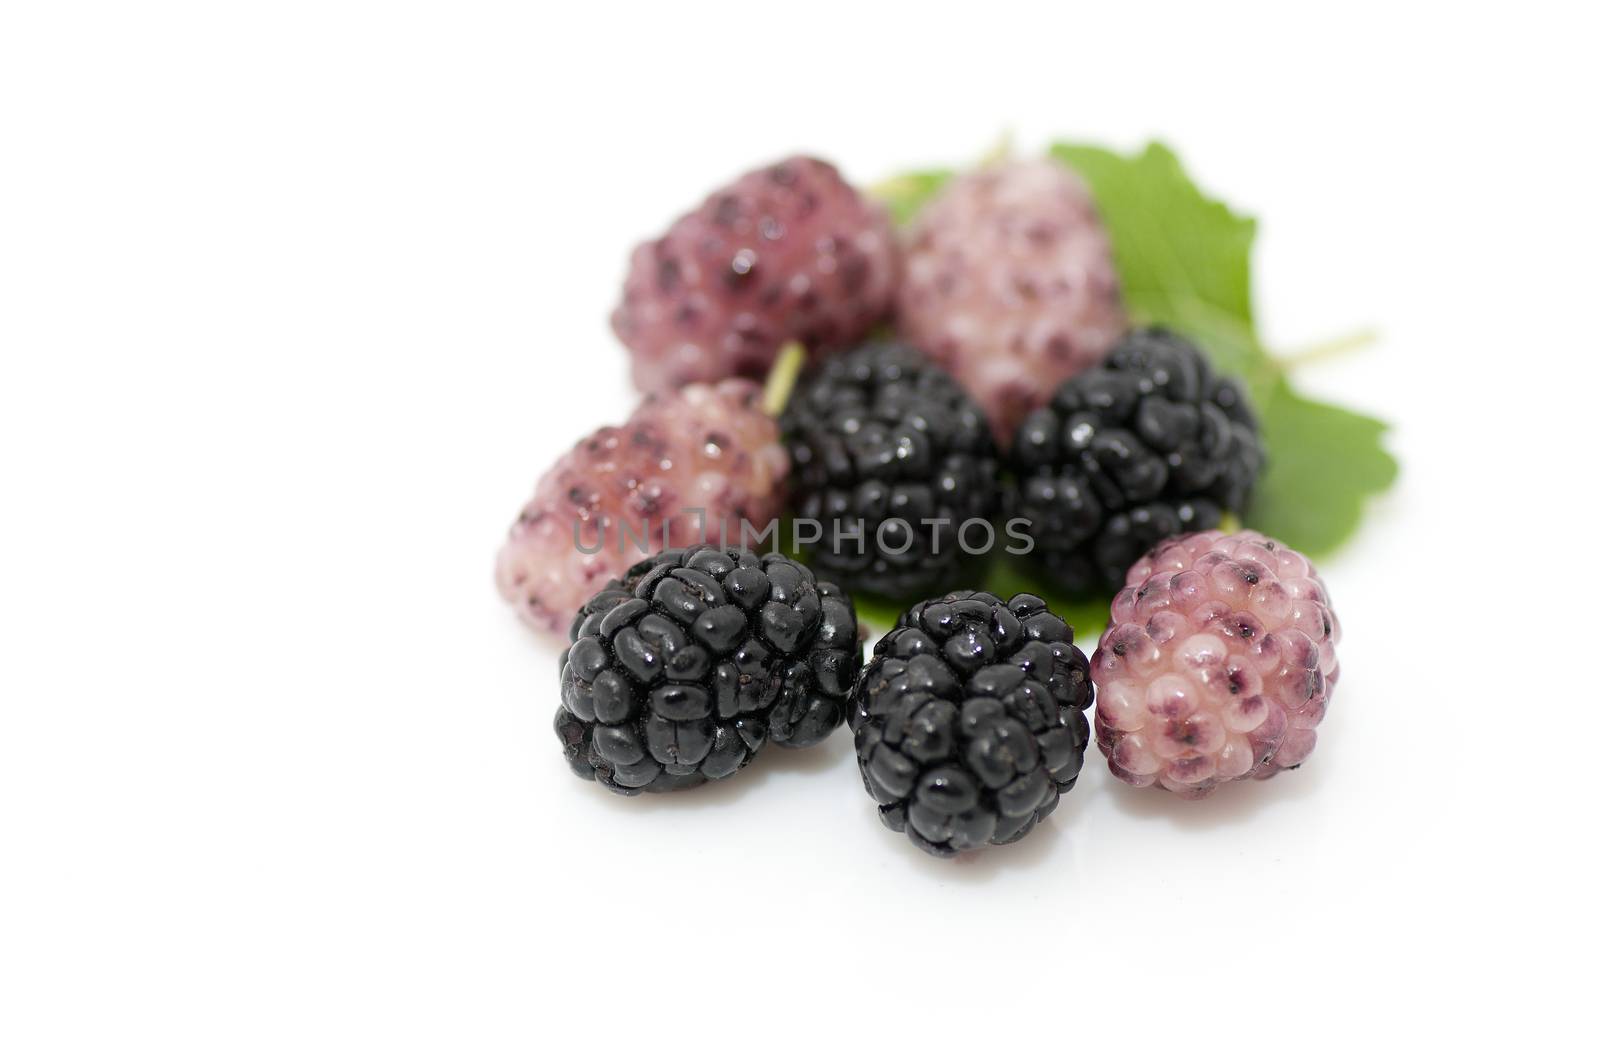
[(1015, 390), (895, 451)]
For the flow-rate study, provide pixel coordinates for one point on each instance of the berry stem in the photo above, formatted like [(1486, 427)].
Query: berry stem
[(781, 378)]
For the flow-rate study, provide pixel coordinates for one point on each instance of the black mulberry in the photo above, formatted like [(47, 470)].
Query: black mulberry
[(681, 670), (891, 458), (1147, 445), (970, 720)]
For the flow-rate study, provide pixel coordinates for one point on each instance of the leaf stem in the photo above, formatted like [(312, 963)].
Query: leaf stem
[(1328, 350)]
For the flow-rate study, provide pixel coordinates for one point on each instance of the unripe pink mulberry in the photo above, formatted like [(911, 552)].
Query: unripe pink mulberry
[(1218, 664), (705, 447), (1009, 283), (787, 252)]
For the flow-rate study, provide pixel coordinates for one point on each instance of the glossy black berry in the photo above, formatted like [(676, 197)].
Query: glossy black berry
[(681, 670), (890, 459), (1147, 445), (970, 720)]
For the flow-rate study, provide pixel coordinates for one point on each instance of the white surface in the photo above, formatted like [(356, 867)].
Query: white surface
[(296, 302)]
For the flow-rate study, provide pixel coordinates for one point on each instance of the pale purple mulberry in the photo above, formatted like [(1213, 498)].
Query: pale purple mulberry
[(1218, 664), (706, 447), (1009, 283)]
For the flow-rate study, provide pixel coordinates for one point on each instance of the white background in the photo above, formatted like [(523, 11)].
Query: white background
[(298, 299)]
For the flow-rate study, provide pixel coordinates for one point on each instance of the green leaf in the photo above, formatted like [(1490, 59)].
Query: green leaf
[(1184, 261), (1325, 462), (1177, 251)]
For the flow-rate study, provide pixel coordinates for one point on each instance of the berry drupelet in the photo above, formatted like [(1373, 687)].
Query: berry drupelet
[(680, 671), (969, 720), (1148, 445), (885, 445)]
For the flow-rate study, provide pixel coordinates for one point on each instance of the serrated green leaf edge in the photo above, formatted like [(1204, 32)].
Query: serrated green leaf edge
[(1326, 463)]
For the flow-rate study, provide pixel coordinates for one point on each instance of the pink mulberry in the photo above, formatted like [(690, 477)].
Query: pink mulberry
[(788, 252), (706, 447), (1218, 664), (1009, 283)]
